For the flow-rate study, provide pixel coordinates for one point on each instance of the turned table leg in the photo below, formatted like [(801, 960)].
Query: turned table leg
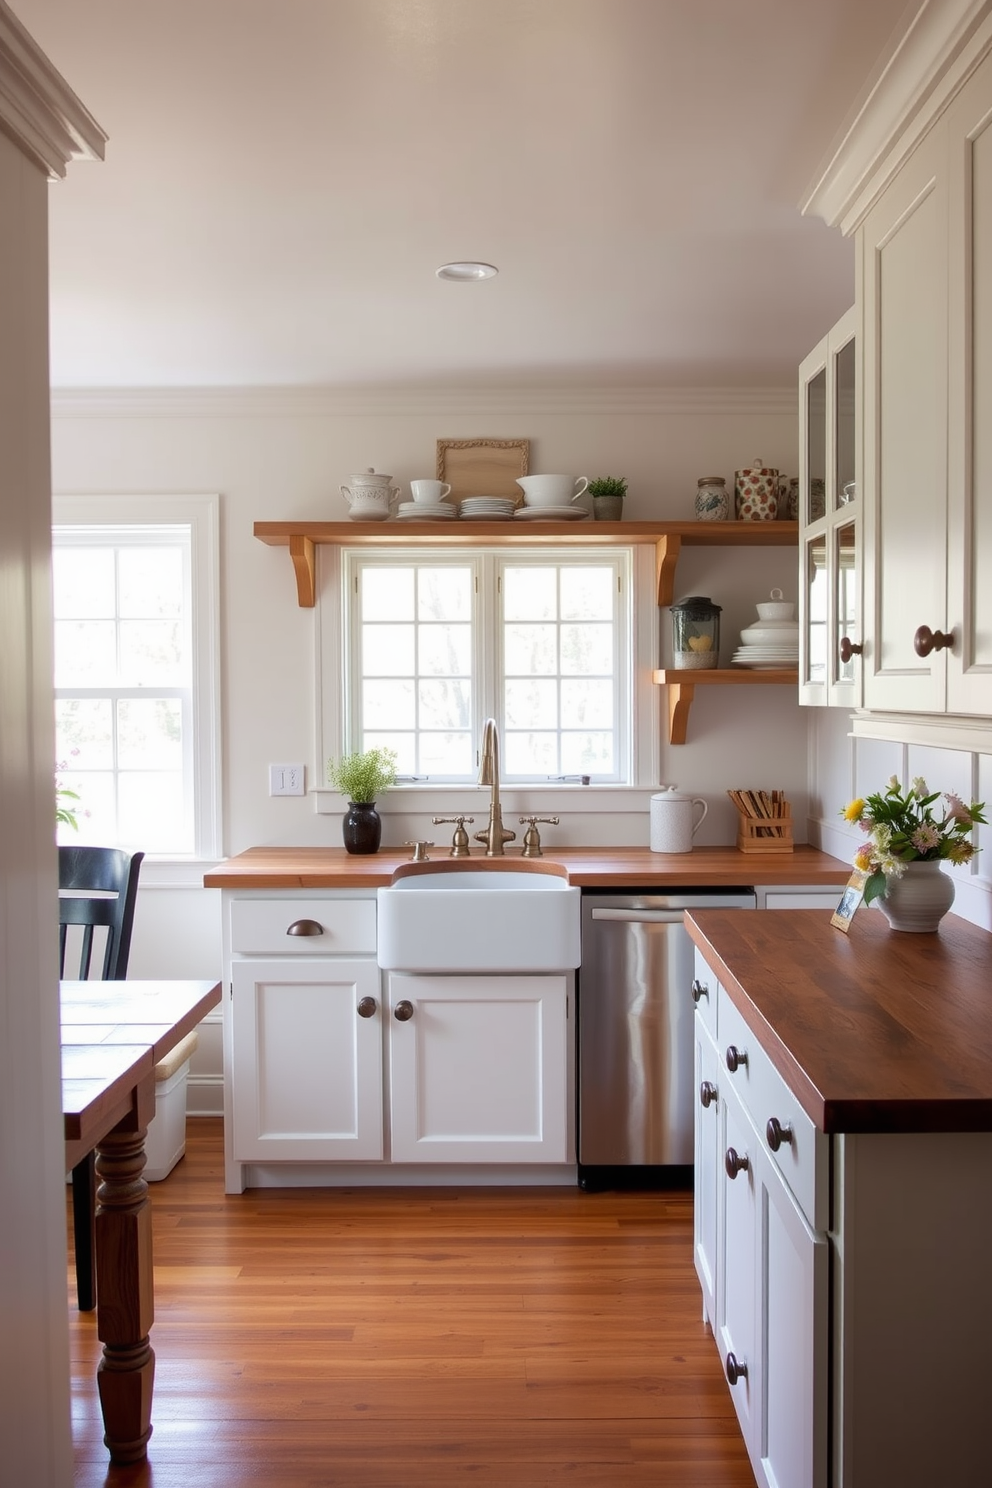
[(125, 1307)]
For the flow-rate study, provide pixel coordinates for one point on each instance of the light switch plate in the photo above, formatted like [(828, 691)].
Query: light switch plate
[(287, 780)]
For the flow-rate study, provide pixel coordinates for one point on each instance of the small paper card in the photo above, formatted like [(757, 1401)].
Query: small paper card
[(850, 899)]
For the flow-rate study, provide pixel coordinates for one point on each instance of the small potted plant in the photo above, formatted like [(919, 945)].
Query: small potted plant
[(361, 778), (607, 492)]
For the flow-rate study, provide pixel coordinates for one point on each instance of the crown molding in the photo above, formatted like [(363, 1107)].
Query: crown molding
[(38, 109), (392, 402), (937, 46)]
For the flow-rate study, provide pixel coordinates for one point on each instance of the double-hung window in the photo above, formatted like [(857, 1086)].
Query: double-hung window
[(436, 642), (136, 686)]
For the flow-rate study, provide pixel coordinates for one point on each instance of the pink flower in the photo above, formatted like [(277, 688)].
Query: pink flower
[(956, 809), (925, 837)]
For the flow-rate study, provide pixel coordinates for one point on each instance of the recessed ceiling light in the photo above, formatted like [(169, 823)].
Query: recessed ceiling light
[(466, 272)]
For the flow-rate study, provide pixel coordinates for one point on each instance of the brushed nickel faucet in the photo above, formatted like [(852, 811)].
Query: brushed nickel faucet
[(495, 834)]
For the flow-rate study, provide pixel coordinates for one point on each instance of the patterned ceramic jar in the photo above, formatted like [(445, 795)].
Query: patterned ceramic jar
[(712, 499), (788, 497), (756, 491)]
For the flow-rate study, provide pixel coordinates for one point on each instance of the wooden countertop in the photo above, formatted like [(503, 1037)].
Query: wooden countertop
[(606, 867), (875, 1031)]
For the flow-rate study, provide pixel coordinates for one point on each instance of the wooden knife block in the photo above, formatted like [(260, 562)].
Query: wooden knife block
[(762, 834)]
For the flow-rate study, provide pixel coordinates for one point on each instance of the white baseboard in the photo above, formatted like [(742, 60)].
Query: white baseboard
[(205, 1095)]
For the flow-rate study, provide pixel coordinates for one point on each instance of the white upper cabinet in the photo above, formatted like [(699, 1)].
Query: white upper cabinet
[(925, 297), (829, 482), (969, 466)]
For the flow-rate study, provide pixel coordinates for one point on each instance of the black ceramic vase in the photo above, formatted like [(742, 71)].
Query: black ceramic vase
[(362, 827)]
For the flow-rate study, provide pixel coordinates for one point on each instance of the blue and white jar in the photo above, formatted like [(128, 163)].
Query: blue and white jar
[(712, 500)]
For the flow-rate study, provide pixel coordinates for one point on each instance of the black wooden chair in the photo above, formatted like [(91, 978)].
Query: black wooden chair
[(97, 890)]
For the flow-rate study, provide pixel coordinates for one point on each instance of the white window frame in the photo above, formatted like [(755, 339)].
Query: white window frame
[(201, 514), (642, 711)]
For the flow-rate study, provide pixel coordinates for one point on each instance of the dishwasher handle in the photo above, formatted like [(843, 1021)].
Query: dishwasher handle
[(640, 916)]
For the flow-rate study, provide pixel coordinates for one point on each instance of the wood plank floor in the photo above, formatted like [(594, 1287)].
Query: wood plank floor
[(383, 1338)]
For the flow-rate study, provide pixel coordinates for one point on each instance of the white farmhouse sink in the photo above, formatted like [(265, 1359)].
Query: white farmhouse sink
[(482, 917)]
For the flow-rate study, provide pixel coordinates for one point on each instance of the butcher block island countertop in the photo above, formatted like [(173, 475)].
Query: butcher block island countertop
[(600, 867), (878, 1030)]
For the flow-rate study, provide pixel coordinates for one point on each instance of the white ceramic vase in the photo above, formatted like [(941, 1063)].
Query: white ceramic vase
[(919, 900)]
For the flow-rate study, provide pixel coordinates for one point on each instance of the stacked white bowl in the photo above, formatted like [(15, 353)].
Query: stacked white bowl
[(774, 641)]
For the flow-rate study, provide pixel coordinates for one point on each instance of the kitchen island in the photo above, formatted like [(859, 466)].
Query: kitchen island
[(842, 1194)]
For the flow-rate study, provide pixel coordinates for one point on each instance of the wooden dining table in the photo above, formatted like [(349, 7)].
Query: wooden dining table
[(113, 1035)]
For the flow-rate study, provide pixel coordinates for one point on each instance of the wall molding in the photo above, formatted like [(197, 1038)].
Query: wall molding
[(941, 731), (932, 54), (446, 402), (38, 109)]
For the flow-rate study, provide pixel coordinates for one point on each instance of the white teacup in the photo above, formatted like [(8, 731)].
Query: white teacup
[(430, 492), (551, 490)]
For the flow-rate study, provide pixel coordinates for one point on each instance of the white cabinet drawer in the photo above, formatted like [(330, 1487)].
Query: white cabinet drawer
[(705, 994), (803, 1153), (303, 927)]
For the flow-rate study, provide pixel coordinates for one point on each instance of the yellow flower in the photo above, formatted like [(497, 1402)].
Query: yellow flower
[(853, 811), (863, 857)]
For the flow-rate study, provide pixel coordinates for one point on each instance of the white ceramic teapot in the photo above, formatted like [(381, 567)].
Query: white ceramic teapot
[(369, 496), (672, 820)]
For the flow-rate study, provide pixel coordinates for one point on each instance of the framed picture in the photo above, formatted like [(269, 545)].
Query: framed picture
[(483, 467), (850, 899)]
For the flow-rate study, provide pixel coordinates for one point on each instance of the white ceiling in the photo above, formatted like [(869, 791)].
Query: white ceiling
[(283, 177)]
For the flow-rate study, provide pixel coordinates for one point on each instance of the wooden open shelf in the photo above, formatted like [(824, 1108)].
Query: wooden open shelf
[(682, 689), (302, 538)]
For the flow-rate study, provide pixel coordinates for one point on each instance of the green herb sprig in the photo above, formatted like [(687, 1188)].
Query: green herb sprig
[(362, 777)]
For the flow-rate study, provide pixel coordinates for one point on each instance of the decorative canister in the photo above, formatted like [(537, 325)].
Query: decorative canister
[(712, 501), (756, 492), (788, 497), (695, 633)]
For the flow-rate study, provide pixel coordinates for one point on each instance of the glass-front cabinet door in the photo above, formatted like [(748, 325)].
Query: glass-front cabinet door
[(829, 506)]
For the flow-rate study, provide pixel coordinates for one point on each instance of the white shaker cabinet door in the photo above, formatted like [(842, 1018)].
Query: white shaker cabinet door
[(478, 1068), (736, 1259), (791, 1335), (707, 1166), (903, 270), (307, 1042)]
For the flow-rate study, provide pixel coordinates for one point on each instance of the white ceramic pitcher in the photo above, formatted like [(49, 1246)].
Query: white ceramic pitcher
[(673, 820)]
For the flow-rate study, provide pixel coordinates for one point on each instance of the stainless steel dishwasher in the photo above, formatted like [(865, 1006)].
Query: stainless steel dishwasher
[(635, 1048)]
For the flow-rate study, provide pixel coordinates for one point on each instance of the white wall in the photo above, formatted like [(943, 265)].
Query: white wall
[(285, 455), (842, 767)]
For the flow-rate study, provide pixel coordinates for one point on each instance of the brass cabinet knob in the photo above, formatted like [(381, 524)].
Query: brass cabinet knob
[(707, 1094), (736, 1369), (735, 1058), (734, 1163), (699, 989), (403, 1011), (927, 640), (849, 648), (305, 927), (367, 1007), (776, 1133)]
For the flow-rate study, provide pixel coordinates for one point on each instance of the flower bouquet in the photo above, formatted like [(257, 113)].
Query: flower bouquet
[(906, 827)]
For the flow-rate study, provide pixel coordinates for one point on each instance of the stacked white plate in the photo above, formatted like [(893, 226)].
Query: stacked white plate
[(423, 511), (550, 513), (488, 508), (768, 645)]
